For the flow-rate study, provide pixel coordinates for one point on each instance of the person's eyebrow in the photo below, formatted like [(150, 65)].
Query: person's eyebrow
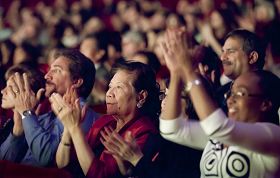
[(58, 66)]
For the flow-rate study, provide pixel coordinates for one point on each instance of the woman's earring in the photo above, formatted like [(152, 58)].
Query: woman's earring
[(139, 105)]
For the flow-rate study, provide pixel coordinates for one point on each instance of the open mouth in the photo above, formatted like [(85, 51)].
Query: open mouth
[(226, 63), (231, 112)]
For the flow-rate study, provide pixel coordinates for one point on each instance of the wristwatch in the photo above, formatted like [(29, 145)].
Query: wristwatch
[(27, 113)]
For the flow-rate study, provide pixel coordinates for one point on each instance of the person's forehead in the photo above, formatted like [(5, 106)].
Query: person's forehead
[(123, 76), (233, 42), (248, 80), (61, 62)]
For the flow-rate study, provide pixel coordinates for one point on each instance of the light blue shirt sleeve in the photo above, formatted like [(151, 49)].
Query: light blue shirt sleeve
[(43, 136), (12, 148)]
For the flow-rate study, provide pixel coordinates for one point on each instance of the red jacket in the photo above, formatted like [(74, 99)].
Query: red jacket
[(104, 165)]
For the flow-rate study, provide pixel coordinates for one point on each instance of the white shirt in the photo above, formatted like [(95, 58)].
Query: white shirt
[(252, 152)]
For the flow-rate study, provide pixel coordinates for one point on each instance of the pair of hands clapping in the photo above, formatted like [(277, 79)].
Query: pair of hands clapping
[(122, 149), (67, 108)]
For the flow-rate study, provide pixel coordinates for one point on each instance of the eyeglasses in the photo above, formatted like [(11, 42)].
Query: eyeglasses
[(241, 94), (162, 95)]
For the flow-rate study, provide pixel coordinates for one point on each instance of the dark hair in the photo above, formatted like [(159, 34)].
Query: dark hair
[(115, 40), (35, 77), (153, 60), (207, 56), (270, 86), (251, 42), (145, 80), (33, 53), (102, 40), (11, 50), (80, 67)]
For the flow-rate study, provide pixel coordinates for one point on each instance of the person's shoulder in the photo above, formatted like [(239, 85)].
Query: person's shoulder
[(91, 113), (144, 124), (104, 119)]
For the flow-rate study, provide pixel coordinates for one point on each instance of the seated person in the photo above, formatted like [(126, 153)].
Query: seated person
[(35, 139), (36, 80), (132, 105), (185, 161)]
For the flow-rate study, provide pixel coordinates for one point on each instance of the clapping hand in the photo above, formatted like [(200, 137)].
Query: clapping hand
[(123, 148), (21, 94), (67, 108), (175, 50)]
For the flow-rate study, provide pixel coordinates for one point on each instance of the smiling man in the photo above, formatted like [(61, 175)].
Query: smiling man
[(243, 51), (41, 135)]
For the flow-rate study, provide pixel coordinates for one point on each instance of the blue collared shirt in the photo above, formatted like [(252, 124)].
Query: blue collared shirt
[(39, 143)]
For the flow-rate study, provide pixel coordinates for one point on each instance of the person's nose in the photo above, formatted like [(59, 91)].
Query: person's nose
[(231, 99), (223, 56), (109, 93), (48, 75), (3, 91)]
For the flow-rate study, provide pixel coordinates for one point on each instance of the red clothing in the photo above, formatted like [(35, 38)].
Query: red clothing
[(104, 165), (12, 170)]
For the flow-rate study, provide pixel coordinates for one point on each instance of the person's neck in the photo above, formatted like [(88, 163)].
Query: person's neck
[(123, 120)]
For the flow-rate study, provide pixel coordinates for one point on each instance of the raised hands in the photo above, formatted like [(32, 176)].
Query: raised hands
[(175, 49), (67, 108), (21, 94), (122, 148)]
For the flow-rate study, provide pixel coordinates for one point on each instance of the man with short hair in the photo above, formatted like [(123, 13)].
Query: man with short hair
[(243, 51), (38, 142)]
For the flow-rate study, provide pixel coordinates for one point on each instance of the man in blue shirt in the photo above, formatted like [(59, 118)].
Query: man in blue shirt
[(34, 139)]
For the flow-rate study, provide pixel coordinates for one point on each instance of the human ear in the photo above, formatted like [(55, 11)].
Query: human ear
[(266, 105), (141, 98), (78, 83), (253, 57)]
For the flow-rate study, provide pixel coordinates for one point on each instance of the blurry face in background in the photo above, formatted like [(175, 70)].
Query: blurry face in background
[(19, 55), (89, 49), (129, 47), (121, 96), (172, 21), (216, 20)]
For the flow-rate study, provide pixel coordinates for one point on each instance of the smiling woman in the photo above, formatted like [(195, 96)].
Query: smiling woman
[(132, 106), (245, 144)]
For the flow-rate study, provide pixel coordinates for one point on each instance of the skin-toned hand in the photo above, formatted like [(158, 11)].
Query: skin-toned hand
[(23, 97), (69, 97), (175, 49), (206, 32), (125, 148), (203, 70), (71, 113)]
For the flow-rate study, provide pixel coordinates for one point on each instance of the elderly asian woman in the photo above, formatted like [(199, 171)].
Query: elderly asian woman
[(132, 105)]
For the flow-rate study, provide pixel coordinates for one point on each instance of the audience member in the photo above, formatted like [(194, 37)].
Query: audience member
[(34, 140), (36, 80), (132, 105), (230, 142)]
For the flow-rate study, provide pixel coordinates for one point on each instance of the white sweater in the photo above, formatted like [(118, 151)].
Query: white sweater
[(231, 148)]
